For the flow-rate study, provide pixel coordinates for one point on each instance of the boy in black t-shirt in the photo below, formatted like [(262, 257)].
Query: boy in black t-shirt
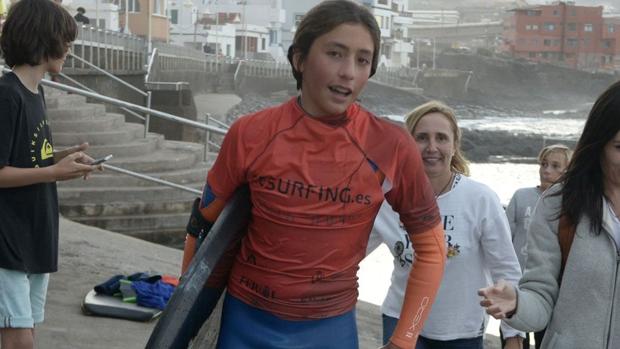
[(35, 40)]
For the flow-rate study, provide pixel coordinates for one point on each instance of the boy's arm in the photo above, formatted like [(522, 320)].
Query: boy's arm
[(68, 168), (204, 214)]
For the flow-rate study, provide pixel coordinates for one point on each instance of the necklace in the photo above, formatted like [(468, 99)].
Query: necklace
[(445, 186)]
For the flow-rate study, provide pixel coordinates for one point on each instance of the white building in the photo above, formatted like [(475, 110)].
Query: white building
[(393, 18)]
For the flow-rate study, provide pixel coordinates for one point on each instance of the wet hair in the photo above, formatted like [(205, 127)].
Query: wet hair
[(324, 18), (582, 189), (81, 10), (35, 31), (458, 163), (555, 148)]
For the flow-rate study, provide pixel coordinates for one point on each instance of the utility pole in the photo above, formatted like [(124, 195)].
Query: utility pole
[(126, 31), (149, 25), (245, 32)]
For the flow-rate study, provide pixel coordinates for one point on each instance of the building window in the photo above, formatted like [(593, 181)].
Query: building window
[(273, 37), (382, 2), (611, 28), (532, 54), (556, 42), (587, 27), (547, 42), (606, 43), (572, 42), (571, 27), (134, 5), (549, 27), (556, 12), (531, 27), (263, 44), (573, 12), (158, 7), (532, 13), (174, 16), (534, 26)]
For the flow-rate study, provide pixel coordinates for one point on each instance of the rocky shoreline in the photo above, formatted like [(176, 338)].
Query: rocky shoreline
[(479, 146)]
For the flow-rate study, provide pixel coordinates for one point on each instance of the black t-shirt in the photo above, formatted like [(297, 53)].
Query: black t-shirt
[(29, 214)]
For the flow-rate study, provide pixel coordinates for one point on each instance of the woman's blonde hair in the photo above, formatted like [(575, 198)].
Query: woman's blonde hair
[(555, 148), (458, 163)]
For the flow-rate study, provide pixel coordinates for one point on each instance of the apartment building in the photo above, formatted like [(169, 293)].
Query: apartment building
[(562, 33)]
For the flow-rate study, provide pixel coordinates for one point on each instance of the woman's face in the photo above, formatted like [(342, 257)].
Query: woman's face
[(552, 166), (336, 69), (435, 138), (610, 161)]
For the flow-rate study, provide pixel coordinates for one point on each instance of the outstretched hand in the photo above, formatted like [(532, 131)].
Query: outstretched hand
[(500, 300)]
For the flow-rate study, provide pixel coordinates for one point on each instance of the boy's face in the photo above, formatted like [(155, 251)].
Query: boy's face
[(54, 65), (336, 69)]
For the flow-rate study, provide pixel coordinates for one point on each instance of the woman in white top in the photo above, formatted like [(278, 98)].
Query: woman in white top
[(477, 235), (552, 161)]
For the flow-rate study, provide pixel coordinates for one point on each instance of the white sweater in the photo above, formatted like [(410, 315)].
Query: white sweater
[(480, 252)]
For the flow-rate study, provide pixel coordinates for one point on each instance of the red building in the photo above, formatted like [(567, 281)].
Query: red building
[(563, 33)]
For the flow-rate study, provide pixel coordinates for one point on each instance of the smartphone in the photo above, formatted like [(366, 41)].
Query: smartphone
[(101, 160)]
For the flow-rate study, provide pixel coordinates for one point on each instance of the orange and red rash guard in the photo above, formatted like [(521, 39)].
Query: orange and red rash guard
[(315, 194)]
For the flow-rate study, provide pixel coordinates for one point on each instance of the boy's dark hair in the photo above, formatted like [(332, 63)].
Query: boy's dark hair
[(81, 10), (325, 17), (36, 30)]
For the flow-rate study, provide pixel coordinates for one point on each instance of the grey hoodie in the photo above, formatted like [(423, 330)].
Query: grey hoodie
[(584, 313)]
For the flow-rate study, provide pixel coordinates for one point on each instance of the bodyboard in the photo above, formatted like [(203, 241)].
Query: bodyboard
[(109, 306), (228, 229)]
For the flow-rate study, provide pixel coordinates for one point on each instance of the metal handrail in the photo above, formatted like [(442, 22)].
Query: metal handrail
[(149, 65), (65, 76), (152, 179), (104, 72), (218, 122), (237, 71)]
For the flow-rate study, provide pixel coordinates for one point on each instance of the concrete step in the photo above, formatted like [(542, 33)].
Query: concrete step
[(62, 100), (107, 122), (147, 223), (72, 210), (125, 194), (125, 134), (160, 160), (138, 146), (111, 179), (73, 113)]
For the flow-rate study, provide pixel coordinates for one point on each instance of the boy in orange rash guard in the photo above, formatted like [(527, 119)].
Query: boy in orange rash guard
[(318, 168)]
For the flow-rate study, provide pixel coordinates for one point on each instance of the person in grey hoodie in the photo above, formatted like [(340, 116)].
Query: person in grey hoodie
[(581, 305), (552, 160)]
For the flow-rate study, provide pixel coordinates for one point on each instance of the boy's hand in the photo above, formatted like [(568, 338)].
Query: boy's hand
[(73, 166)]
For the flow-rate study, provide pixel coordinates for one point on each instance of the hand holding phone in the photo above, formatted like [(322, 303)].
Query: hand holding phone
[(101, 160)]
